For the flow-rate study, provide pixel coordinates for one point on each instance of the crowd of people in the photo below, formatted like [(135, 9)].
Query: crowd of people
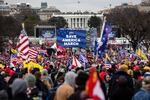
[(124, 80)]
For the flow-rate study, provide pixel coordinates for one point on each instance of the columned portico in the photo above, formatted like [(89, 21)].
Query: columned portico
[(77, 20)]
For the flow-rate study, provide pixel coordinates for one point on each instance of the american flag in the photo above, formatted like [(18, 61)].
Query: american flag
[(14, 60), (33, 53), (23, 45), (75, 63), (42, 51)]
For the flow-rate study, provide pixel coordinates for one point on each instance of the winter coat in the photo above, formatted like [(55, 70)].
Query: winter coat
[(122, 93), (20, 96), (142, 95)]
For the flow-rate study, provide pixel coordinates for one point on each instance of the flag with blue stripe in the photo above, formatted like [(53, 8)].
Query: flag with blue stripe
[(95, 47), (83, 59)]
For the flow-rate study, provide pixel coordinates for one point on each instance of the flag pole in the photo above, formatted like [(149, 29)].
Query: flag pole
[(22, 25), (99, 41), (103, 27), (105, 61), (23, 29)]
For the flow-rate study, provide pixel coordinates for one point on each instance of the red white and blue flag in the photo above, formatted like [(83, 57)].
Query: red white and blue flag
[(23, 45), (33, 53), (75, 63)]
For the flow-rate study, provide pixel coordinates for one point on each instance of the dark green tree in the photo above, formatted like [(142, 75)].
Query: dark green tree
[(9, 29), (133, 24), (9, 26), (30, 18), (30, 22), (59, 22), (95, 22)]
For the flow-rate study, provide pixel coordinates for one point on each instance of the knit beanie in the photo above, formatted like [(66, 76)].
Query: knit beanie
[(123, 67), (31, 80), (147, 74), (18, 86)]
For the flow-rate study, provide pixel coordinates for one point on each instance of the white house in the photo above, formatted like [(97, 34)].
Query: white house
[(77, 20)]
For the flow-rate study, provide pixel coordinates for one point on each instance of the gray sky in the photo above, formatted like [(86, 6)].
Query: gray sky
[(73, 5)]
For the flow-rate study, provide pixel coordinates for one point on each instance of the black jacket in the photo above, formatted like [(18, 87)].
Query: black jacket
[(20, 96)]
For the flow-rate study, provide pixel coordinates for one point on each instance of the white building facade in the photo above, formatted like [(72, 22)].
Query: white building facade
[(46, 13), (4, 8), (77, 20)]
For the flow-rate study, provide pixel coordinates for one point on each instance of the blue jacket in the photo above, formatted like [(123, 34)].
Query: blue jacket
[(142, 95)]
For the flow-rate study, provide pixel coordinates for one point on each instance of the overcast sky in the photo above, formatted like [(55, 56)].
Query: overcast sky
[(74, 5)]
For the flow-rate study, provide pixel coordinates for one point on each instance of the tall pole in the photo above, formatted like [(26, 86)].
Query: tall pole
[(130, 2), (22, 25), (78, 2), (99, 41), (103, 27), (110, 5)]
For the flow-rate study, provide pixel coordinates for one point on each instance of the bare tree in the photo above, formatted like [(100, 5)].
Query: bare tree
[(133, 24)]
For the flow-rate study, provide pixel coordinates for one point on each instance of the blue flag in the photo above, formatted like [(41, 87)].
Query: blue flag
[(83, 59), (95, 47), (104, 38)]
